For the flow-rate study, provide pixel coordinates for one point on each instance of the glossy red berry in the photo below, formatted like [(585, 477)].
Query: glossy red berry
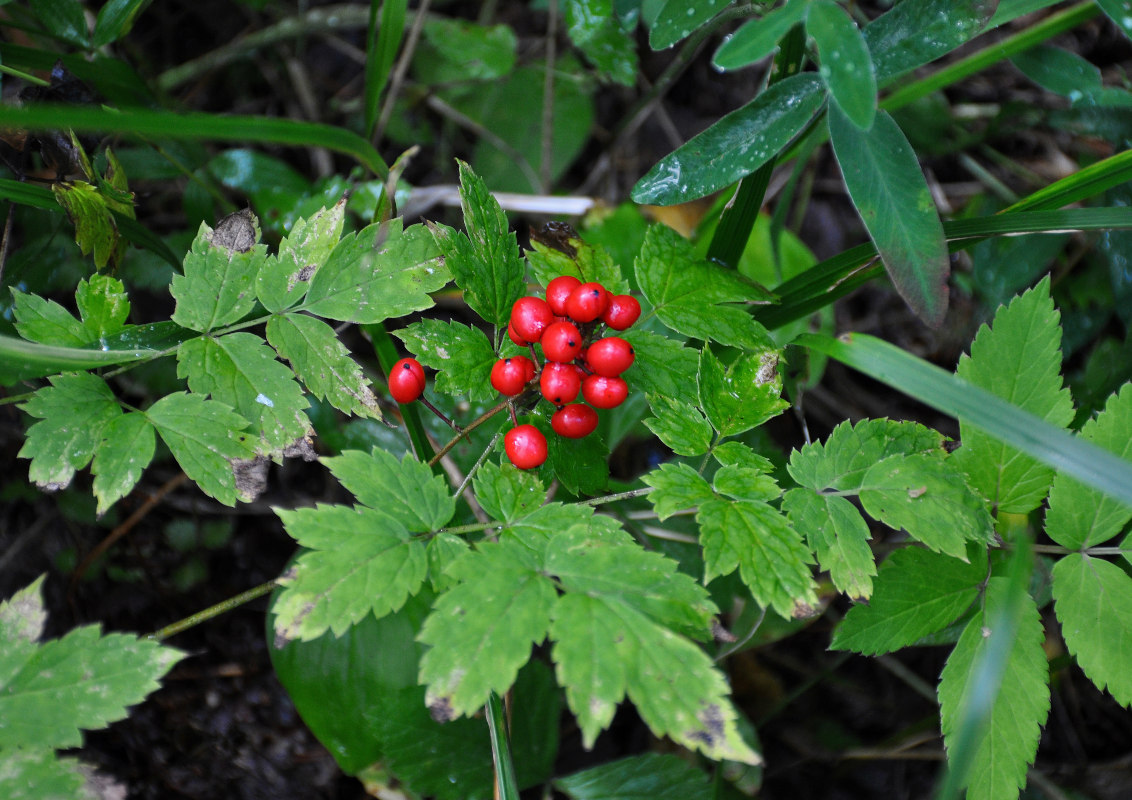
[(623, 311), (574, 421), (530, 316), (587, 302), (525, 446), (560, 383), (558, 292), (510, 375), (602, 392), (561, 342), (516, 338), (609, 356), (406, 380)]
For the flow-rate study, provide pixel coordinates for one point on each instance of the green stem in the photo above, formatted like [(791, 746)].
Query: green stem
[(506, 785), (387, 356), (213, 611)]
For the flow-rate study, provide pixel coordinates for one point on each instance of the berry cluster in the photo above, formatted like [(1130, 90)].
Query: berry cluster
[(576, 360)]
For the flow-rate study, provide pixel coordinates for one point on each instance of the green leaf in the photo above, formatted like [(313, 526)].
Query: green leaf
[(103, 306), (507, 493), (916, 32), (769, 554), (1019, 359), (580, 465), (659, 776), (663, 366), (96, 231), (595, 31), (462, 50), (125, 451), (695, 297), (241, 371), (926, 497), (382, 43), (736, 145), (46, 321), (323, 363), (1010, 741), (1120, 12), (917, 592), (559, 250), (405, 491), (283, 280), (746, 483), (542, 526), (1058, 70), (676, 487), (205, 437), (360, 561), (891, 195), (462, 356), (678, 18), (839, 537), (114, 21), (846, 66), (1080, 516), (40, 773), (485, 263), (379, 273), (442, 549), (737, 454), (758, 37), (85, 679), (481, 630), (681, 426), (851, 450), (64, 19), (73, 411), (218, 284), (744, 394)]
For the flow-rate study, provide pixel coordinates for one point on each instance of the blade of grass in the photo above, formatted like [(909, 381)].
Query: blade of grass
[(23, 360), (506, 785), (382, 42)]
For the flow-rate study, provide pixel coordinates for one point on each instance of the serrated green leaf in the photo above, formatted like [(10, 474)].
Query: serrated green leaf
[(1079, 516), (851, 450), (284, 280), (240, 370), (660, 776), (485, 263), (926, 497), (676, 487), (695, 297), (206, 440), (538, 529), (47, 322), (1019, 359), (218, 284), (758, 37), (481, 631), (1008, 745), (381, 272), (746, 483), (846, 66), (96, 231), (737, 454), (769, 554), (123, 454), (323, 363), (839, 537), (561, 251), (360, 561), (40, 773), (663, 366), (580, 465), (681, 426), (72, 411), (507, 493), (918, 31), (405, 491), (22, 620), (916, 592), (744, 394), (462, 356), (103, 306), (1093, 601), (894, 202), (678, 18), (442, 550)]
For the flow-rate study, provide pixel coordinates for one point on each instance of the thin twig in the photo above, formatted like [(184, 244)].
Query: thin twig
[(212, 611), (548, 97)]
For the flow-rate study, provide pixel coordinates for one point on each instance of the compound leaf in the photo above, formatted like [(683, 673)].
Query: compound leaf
[(851, 450), (220, 269), (676, 487), (839, 537), (285, 279), (47, 322), (125, 451), (462, 356), (406, 491), (663, 366), (744, 394), (681, 426)]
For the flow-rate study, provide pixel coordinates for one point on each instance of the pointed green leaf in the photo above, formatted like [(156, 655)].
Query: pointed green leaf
[(360, 561), (1093, 601), (115, 19), (759, 37), (678, 18), (96, 232), (406, 490), (851, 450), (891, 195), (676, 487), (218, 284), (839, 537), (1019, 359), (559, 250), (1009, 743), (103, 306), (660, 776), (926, 497), (73, 411), (580, 465), (846, 66), (1079, 516), (1120, 12), (381, 272), (916, 32), (32, 774), (462, 356), (323, 363), (507, 493), (284, 280), (596, 31), (1059, 70), (736, 145), (663, 366), (538, 529), (743, 395), (746, 483), (205, 437), (47, 322), (123, 454), (737, 454), (64, 19), (916, 593), (681, 426), (241, 371)]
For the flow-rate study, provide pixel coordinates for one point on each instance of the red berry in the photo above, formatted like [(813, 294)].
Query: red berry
[(406, 380), (610, 356), (561, 342), (530, 316), (574, 421), (602, 392), (559, 383), (587, 302), (510, 375), (516, 338), (623, 311), (558, 292), (525, 446)]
